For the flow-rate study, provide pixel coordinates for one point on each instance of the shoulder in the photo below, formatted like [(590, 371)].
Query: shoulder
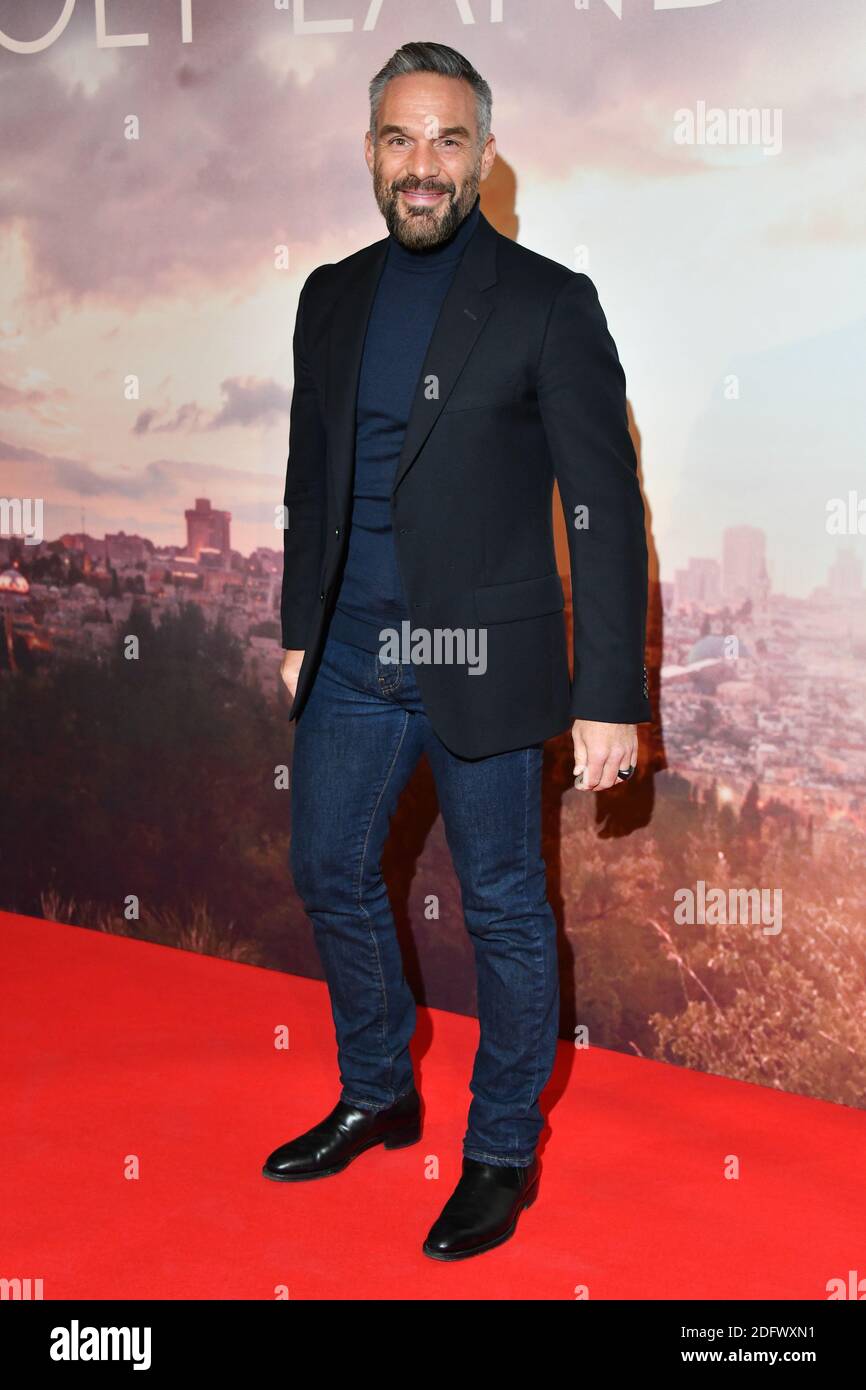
[(541, 271), (329, 279), (545, 281), (326, 285)]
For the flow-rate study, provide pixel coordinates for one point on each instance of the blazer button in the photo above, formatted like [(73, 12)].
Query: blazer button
[(337, 531), (321, 598)]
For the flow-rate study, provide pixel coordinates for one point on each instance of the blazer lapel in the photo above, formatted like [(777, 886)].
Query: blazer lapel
[(463, 315), (464, 312)]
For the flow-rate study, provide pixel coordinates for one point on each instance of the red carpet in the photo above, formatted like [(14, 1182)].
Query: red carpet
[(114, 1048)]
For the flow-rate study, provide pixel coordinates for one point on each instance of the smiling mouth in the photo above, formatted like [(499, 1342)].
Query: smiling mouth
[(421, 197)]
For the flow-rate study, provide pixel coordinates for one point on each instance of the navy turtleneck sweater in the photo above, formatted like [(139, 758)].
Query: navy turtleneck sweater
[(409, 296)]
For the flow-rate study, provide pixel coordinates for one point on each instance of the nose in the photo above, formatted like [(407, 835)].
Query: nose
[(424, 163)]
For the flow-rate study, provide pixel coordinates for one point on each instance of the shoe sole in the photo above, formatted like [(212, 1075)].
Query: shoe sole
[(400, 1139), (449, 1256)]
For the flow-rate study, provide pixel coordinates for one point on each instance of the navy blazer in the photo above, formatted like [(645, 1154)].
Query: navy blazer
[(521, 384)]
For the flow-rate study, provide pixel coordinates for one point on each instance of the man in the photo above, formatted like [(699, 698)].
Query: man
[(443, 377)]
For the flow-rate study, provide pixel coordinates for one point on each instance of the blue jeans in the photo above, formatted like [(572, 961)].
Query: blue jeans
[(357, 741)]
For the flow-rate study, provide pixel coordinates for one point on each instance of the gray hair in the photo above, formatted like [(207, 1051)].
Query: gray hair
[(438, 58)]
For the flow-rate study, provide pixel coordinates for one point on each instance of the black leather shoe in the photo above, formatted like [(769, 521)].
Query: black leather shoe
[(482, 1210), (330, 1146)]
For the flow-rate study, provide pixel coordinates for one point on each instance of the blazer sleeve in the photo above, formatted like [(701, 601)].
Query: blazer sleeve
[(581, 396), (304, 495)]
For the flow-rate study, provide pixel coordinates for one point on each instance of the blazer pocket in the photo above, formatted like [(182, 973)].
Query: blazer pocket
[(526, 598)]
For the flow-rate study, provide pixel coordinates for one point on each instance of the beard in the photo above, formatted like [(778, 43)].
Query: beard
[(422, 229)]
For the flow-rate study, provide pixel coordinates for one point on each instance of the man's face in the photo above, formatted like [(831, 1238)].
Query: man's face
[(425, 160)]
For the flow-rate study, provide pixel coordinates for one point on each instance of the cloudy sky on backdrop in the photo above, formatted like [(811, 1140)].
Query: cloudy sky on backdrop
[(155, 256)]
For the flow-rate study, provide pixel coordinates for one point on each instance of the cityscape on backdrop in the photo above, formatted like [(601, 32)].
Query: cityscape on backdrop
[(163, 781)]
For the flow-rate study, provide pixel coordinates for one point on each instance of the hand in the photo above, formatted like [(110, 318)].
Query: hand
[(290, 667), (600, 750)]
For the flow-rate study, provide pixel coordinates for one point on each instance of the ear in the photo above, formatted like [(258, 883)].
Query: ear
[(488, 156)]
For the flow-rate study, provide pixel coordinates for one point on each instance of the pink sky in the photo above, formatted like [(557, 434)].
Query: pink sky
[(154, 258)]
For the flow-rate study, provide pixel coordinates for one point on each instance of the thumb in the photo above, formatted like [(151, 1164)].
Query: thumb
[(580, 753)]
